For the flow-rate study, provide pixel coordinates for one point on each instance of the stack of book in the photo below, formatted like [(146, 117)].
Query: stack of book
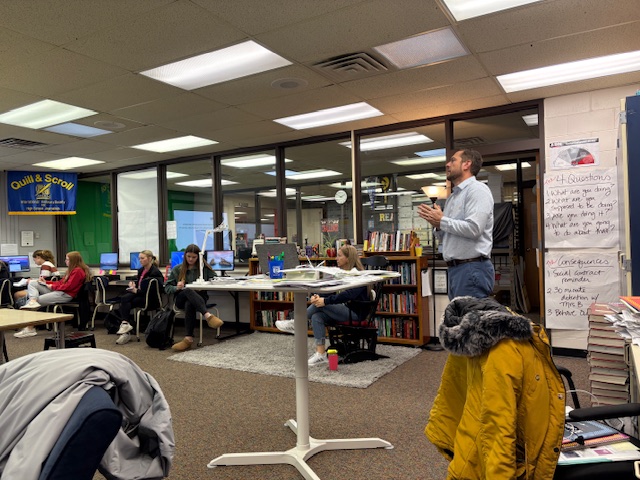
[(608, 354)]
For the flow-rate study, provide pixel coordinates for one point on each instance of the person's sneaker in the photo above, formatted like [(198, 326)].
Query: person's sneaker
[(32, 305), (317, 359), (125, 327), (285, 326), (124, 338), (21, 283), (182, 345), (26, 332), (213, 321)]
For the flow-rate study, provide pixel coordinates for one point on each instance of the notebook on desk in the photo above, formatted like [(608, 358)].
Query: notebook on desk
[(267, 250)]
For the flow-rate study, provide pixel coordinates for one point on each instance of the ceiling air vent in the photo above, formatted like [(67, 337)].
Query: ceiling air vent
[(468, 142), (351, 67), (19, 143)]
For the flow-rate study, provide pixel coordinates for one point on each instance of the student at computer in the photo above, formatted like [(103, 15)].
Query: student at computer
[(45, 260), (331, 309), (136, 293), (191, 301), (44, 292)]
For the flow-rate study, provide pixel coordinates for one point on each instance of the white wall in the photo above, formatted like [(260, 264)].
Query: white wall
[(580, 116)]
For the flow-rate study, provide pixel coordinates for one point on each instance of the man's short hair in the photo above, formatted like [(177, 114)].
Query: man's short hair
[(475, 158)]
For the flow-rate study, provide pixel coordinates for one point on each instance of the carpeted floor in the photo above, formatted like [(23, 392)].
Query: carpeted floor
[(272, 354), (219, 410)]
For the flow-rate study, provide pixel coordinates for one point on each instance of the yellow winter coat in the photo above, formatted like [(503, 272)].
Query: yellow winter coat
[(499, 412)]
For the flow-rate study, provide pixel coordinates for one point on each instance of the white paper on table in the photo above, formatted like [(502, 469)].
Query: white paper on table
[(426, 282)]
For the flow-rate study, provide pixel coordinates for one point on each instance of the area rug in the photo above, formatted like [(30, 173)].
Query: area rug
[(272, 354)]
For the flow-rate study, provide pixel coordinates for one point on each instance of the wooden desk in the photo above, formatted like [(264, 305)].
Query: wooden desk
[(306, 445), (11, 319)]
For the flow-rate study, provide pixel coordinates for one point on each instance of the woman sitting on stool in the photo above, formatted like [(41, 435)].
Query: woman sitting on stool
[(331, 309), (191, 301), (137, 293), (43, 293)]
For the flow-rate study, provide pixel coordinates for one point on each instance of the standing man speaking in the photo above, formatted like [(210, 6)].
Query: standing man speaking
[(465, 228)]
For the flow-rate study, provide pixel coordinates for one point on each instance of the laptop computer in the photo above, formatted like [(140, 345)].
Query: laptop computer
[(291, 259)]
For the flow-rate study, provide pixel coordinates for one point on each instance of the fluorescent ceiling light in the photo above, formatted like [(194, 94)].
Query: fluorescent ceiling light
[(44, 114), (425, 49), (147, 174), (269, 214), (531, 120), (390, 141), (240, 213), (272, 193), (349, 185), (512, 166), (463, 9), (407, 162), (571, 72), (237, 61), (307, 174), (330, 116), (204, 183), (250, 161), (67, 163), (316, 198), (420, 176), (77, 130), (173, 144)]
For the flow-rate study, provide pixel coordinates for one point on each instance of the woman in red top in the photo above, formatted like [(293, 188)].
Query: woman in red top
[(43, 293)]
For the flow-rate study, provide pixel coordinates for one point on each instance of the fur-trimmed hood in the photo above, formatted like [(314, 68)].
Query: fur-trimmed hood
[(471, 326)]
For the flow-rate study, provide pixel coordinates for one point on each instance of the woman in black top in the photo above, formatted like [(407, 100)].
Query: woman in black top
[(136, 293)]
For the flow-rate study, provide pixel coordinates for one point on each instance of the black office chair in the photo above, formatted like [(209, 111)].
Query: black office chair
[(152, 303), (83, 441), (596, 471), (356, 340), (81, 306)]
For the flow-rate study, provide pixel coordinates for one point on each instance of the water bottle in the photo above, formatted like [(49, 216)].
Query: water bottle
[(332, 355)]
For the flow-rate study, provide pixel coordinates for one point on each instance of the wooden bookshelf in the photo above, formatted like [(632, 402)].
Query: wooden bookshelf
[(403, 318)]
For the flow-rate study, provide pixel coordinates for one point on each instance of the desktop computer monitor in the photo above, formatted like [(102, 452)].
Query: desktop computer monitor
[(134, 260), (109, 262), (221, 260), (176, 259), (17, 263)]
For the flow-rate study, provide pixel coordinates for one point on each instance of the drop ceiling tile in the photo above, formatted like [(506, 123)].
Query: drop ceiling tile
[(259, 87), (559, 50), (118, 92), (303, 102), (137, 136), (474, 89), (204, 124), (55, 72), (257, 17), (354, 29), (62, 21), (415, 79), (77, 148), (545, 20), (177, 31), (169, 109), (16, 47), (247, 131)]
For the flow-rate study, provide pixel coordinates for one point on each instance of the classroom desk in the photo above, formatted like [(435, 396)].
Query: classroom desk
[(306, 446), (11, 319)]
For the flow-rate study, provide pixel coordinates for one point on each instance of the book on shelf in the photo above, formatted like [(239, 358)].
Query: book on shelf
[(603, 385), (615, 357), (618, 350), (617, 341), (613, 379), (632, 303), (600, 309)]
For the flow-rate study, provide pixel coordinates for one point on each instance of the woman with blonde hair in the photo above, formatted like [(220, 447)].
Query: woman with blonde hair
[(44, 292), (191, 301), (137, 292), (332, 308)]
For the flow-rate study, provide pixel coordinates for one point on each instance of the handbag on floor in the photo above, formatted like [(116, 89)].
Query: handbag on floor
[(159, 332)]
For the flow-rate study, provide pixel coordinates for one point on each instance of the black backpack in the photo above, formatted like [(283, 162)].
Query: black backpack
[(112, 322), (159, 333)]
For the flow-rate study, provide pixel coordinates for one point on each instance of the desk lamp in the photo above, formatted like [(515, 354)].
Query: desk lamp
[(220, 228), (434, 192)]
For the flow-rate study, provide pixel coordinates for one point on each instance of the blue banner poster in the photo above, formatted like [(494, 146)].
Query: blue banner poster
[(41, 193)]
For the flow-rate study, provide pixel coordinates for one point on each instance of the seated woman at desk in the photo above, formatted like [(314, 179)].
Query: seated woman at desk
[(137, 292), (191, 301), (44, 259), (331, 309), (42, 292)]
